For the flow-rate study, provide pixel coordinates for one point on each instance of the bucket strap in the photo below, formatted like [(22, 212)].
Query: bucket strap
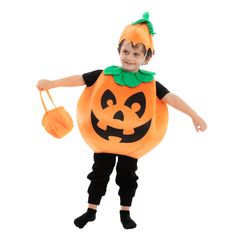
[(45, 108)]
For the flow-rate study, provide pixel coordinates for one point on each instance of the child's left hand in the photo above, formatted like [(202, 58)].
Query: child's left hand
[(199, 123)]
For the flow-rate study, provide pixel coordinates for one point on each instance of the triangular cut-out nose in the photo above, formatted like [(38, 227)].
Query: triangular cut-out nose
[(119, 116)]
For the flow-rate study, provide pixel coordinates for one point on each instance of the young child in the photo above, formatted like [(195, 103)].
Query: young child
[(109, 113)]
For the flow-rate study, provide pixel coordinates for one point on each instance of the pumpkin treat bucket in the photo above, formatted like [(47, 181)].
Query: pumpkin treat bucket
[(57, 121)]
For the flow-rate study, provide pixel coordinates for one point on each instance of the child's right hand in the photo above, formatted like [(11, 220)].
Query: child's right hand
[(44, 84)]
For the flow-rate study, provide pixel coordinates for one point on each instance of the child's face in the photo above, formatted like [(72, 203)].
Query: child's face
[(131, 57)]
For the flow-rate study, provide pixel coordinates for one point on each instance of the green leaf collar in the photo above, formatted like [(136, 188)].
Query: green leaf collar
[(130, 79)]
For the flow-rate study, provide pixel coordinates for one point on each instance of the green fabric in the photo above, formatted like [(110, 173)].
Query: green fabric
[(130, 79), (145, 19)]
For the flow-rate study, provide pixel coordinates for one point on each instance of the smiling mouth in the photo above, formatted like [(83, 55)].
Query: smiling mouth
[(127, 63), (139, 131)]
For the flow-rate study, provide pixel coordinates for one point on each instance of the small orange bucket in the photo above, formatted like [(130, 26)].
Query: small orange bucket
[(57, 121)]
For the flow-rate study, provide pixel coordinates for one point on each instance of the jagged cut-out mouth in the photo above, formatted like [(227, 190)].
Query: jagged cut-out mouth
[(139, 132)]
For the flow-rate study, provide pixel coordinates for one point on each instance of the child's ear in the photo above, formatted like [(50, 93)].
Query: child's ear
[(147, 59)]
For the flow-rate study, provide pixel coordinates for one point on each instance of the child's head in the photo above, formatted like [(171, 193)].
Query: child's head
[(136, 44), (133, 56)]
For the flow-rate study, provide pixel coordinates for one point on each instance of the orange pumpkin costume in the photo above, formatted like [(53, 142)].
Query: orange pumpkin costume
[(120, 119)]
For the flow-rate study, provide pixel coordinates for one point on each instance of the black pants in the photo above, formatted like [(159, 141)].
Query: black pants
[(126, 178)]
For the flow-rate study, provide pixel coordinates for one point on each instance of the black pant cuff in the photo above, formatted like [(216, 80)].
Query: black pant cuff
[(126, 200), (94, 199)]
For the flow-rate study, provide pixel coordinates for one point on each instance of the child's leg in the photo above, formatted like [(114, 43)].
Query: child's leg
[(127, 180), (125, 208), (92, 206), (102, 169)]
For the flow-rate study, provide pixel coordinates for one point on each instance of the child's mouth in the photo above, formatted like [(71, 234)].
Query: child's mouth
[(128, 63)]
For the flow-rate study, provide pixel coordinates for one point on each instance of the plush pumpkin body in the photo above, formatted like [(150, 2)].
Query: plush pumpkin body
[(119, 119)]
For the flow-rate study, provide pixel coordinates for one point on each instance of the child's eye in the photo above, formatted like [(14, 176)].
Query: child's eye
[(136, 54), (125, 51)]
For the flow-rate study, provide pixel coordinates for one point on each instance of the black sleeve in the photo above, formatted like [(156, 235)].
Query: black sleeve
[(91, 77), (161, 90)]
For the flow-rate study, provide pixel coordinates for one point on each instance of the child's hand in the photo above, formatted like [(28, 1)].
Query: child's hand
[(44, 84), (199, 123)]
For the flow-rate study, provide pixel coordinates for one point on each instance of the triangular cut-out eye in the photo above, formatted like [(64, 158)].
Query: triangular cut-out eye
[(108, 95), (137, 98)]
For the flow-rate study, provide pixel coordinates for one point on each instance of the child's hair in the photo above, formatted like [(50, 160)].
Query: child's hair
[(149, 52)]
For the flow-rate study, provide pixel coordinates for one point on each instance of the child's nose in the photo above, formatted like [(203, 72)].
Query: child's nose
[(129, 57)]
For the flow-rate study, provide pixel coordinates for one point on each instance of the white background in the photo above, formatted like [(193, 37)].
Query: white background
[(187, 184)]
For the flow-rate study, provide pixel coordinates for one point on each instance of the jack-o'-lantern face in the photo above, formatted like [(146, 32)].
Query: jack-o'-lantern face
[(133, 108)]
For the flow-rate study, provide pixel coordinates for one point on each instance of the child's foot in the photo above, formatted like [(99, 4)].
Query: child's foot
[(81, 221), (126, 221)]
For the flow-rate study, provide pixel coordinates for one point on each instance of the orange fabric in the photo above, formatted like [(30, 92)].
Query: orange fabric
[(99, 115), (57, 121), (138, 34)]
